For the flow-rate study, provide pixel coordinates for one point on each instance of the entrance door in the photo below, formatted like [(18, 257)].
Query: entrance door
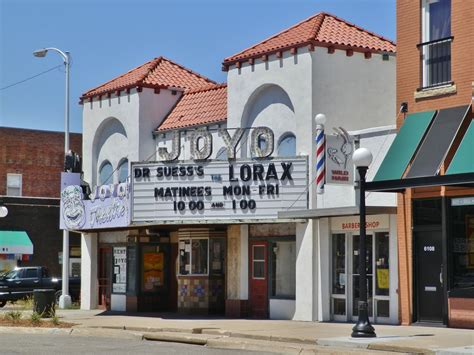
[(105, 276), (356, 275), (428, 273), (258, 279)]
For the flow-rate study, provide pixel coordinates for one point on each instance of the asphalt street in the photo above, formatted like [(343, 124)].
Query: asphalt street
[(66, 344)]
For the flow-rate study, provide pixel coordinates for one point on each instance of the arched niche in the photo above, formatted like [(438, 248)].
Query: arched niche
[(268, 106), (110, 144)]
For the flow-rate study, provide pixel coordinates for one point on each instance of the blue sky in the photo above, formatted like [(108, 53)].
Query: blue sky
[(109, 37)]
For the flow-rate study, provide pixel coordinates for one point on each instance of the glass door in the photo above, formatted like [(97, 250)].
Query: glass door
[(339, 277), (345, 276), (356, 275)]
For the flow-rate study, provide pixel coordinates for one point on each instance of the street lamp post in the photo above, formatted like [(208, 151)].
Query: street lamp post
[(363, 329), (65, 299)]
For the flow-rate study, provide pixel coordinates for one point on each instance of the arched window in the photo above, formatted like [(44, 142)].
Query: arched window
[(222, 154), (123, 171), (287, 146), (105, 173)]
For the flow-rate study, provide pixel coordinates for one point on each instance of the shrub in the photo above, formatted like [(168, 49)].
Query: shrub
[(55, 320), (13, 316), (36, 317)]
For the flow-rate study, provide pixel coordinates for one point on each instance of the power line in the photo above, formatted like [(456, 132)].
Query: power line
[(31, 77)]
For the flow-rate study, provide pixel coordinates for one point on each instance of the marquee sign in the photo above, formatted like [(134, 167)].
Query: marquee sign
[(243, 189)]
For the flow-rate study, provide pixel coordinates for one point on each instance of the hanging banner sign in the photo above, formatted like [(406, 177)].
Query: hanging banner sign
[(244, 189), (339, 166), (107, 206)]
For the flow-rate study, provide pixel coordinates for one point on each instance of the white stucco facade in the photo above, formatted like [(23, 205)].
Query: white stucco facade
[(283, 93)]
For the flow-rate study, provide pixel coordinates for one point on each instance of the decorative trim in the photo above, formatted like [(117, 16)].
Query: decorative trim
[(368, 55), (331, 49), (437, 91), (294, 50), (279, 54), (349, 52)]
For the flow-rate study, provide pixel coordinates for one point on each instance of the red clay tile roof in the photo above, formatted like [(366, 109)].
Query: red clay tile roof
[(157, 73), (323, 30), (198, 107)]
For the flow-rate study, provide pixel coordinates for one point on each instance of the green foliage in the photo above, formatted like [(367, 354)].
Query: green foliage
[(13, 316), (55, 320), (28, 303), (36, 317)]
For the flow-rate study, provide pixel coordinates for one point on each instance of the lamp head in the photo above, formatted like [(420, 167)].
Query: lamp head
[(3, 211), (40, 53), (362, 157), (320, 119)]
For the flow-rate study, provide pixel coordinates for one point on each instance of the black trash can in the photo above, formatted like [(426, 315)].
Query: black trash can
[(44, 302)]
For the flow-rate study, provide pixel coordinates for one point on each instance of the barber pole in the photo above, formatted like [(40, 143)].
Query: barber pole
[(320, 155)]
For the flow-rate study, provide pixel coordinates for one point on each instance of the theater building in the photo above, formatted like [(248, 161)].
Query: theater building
[(210, 167), (430, 163)]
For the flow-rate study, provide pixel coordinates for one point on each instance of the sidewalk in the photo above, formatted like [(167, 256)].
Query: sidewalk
[(276, 334)]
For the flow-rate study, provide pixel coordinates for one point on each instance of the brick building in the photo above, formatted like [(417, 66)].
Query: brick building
[(30, 165), (431, 164)]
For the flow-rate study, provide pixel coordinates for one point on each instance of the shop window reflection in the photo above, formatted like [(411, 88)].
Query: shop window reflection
[(382, 280), (339, 264), (283, 264), (193, 256), (462, 246)]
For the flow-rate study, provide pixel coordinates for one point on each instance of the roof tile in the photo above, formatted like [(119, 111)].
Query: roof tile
[(157, 73), (322, 29), (198, 107)]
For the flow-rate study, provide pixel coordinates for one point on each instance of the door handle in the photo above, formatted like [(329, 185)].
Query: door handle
[(17, 282), (36, 281), (441, 275)]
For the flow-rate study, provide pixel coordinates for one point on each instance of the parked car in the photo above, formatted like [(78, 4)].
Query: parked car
[(20, 282)]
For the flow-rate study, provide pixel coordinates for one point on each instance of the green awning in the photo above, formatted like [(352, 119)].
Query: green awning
[(463, 161), (404, 146), (15, 242)]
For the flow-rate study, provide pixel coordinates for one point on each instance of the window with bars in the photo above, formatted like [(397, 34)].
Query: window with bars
[(436, 43)]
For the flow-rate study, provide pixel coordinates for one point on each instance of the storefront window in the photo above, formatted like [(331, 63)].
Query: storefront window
[(462, 243), (339, 264), (382, 280), (199, 256), (283, 269), (193, 256)]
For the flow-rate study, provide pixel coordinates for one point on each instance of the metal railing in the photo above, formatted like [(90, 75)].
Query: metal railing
[(436, 62)]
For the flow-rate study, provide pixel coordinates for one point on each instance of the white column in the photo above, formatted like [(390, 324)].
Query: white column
[(89, 281), (244, 262), (306, 272), (324, 267)]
